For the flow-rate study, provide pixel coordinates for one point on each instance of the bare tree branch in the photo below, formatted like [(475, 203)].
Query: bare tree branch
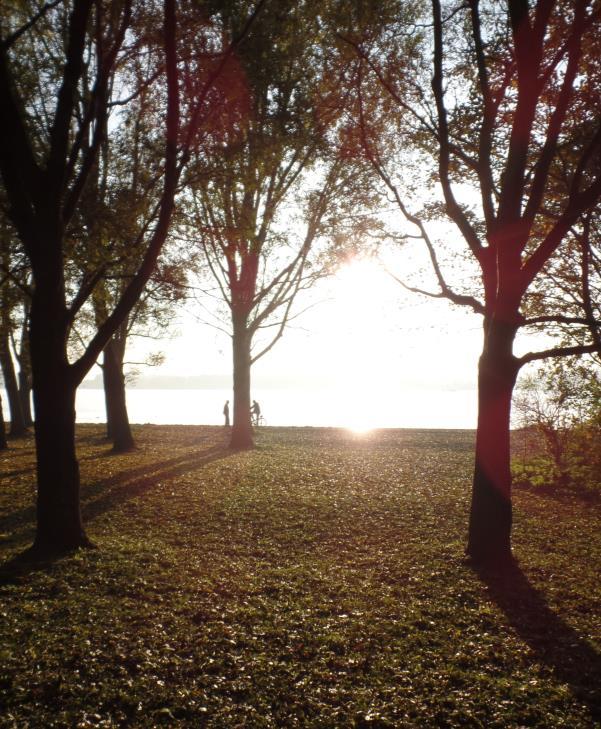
[(11, 39), (556, 352), (171, 176), (445, 290), (453, 208), (541, 173), (489, 114)]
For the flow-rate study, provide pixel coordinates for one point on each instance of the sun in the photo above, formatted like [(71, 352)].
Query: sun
[(359, 329), (359, 285)]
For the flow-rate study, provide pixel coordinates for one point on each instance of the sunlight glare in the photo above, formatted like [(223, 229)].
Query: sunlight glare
[(360, 343), (361, 429)]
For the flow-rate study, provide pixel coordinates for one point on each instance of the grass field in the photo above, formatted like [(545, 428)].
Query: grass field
[(317, 580)]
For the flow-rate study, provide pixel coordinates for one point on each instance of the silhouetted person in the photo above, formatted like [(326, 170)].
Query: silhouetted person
[(226, 412), (255, 412)]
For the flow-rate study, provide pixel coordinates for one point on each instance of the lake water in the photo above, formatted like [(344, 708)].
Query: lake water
[(418, 408), (375, 408)]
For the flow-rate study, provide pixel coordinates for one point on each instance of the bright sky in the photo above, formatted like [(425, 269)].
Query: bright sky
[(392, 359)]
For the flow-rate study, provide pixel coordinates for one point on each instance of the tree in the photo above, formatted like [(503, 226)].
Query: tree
[(575, 275), (14, 315), (150, 317), (558, 413), (45, 171), (10, 297), (511, 84), (549, 405), (21, 351), (273, 181), (120, 202)]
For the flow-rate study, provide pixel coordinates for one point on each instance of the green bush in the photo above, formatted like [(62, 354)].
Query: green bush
[(579, 467), (560, 414)]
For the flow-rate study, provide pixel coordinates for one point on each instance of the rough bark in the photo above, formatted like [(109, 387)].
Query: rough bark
[(117, 420), (489, 537), (25, 396), (18, 427), (59, 524), (242, 434)]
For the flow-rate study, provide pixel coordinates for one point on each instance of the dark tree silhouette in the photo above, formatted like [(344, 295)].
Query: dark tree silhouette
[(511, 114), (23, 357), (120, 202), (272, 181), (44, 175), (10, 296)]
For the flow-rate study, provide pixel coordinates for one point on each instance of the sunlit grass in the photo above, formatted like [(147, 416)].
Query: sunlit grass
[(360, 428), (315, 581)]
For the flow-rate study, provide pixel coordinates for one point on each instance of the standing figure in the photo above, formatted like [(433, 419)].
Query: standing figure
[(255, 412), (226, 412)]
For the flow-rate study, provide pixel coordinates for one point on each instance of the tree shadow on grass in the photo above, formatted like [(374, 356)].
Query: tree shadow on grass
[(565, 495), (573, 659), (18, 517), (97, 498), (14, 454), (15, 570), (104, 495)]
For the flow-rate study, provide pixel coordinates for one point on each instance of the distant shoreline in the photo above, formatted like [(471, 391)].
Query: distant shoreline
[(260, 382), (357, 432), (212, 382)]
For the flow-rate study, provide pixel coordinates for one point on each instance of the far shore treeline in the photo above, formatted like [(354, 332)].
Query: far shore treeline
[(211, 382)]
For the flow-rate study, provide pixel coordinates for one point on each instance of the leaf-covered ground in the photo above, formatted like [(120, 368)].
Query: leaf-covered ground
[(314, 581)]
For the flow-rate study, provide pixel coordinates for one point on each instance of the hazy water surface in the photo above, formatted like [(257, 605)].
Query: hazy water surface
[(319, 407), (418, 408)]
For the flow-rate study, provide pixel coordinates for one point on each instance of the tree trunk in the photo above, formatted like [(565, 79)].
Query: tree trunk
[(59, 524), (25, 396), (3, 441), (117, 420), (489, 540), (17, 422), (242, 434), (556, 449), (25, 374)]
